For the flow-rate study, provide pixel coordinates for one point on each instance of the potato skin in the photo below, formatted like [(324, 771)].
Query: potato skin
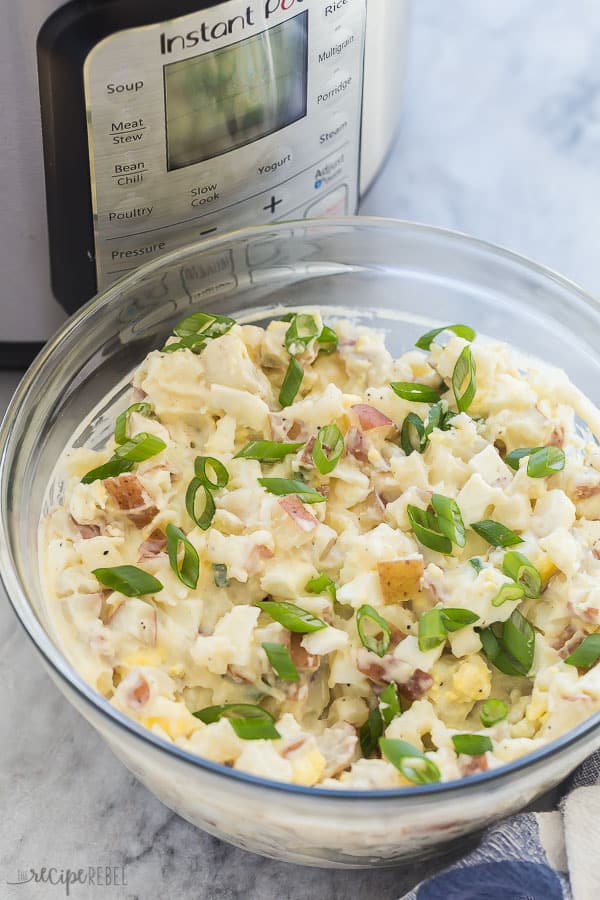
[(400, 578)]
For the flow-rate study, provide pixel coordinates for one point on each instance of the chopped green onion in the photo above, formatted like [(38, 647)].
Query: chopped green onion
[(546, 461), (476, 563), (412, 434), (587, 654), (464, 382), (283, 486), (463, 331), (250, 723), (320, 584), (267, 451), (513, 458), (432, 630), (207, 325), (194, 342), (291, 383), (220, 575), (220, 473), (145, 409), (509, 591), (281, 661), (190, 566), (111, 469), (380, 647), (328, 448), (209, 509), (416, 393), (426, 528), (496, 534), (449, 519), (510, 645), (410, 761), (292, 617), (439, 416), (518, 567), (303, 328), (389, 703), (128, 580), (141, 447), (493, 711), (327, 340), (453, 619), (370, 732), (472, 744)]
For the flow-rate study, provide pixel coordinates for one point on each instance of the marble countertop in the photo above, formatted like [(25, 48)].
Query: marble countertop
[(500, 138)]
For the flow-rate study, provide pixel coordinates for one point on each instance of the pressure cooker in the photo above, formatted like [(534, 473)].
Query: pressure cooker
[(132, 127)]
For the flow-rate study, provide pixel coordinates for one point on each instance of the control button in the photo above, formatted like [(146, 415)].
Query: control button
[(122, 258), (275, 162), (273, 204), (336, 88), (337, 129), (335, 203), (334, 8), (127, 131), (129, 174), (327, 172), (124, 87), (339, 41), (129, 214)]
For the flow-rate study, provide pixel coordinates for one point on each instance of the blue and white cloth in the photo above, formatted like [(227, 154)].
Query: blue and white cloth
[(533, 856)]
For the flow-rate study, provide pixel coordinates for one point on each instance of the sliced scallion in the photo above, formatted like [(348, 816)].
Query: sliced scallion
[(416, 393), (292, 617), (380, 646), (220, 473), (283, 486), (410, 761), (432, 630), (509, 591), (472, 744), (291, 383), (463, 331), (267, 451), (496, 534), (510, 645), (389, 703), (453, 619), (328, 340), (492, 711), (546, 461), (144, 409), (513, 458), (449, 519), (476, 563), (426, 529), (518, 567), (204, 519), (464, 380), (412, 434), (209, 325), (128, 580), (189, 569), (111, 469), (587, 654), (220, 575), (321, 584), (141, 447), (370, 732), (328, 448), (283, 665), (303, 328), (250, 723)]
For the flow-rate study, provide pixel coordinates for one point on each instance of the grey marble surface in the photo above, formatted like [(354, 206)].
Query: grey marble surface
[(500, 138)]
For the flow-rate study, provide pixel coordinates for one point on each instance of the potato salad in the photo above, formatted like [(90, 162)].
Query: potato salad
[(309, 561)]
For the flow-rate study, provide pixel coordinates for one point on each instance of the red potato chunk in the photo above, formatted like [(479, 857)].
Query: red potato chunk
[(298, 512), (128, 493), (400, 579), (369, 417)]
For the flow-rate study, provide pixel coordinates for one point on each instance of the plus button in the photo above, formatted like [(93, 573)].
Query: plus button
[(272, 205)]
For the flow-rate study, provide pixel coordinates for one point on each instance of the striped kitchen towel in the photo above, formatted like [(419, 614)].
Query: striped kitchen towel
[(533, 856)]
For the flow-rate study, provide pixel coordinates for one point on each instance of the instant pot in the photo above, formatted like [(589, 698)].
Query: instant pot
[(166, 121)]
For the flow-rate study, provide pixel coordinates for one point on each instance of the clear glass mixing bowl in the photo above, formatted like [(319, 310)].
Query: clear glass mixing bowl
[(397, 276)]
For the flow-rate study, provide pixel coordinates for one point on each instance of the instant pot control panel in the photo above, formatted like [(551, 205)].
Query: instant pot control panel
[(242, 112)]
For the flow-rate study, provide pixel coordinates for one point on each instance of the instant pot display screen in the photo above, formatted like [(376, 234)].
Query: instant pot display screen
[(238, 94)]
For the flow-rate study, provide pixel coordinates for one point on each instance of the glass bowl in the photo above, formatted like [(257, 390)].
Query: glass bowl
[(401, 277)]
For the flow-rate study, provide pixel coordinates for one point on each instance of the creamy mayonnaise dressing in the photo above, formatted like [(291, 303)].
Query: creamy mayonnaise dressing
[(162, 656)]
